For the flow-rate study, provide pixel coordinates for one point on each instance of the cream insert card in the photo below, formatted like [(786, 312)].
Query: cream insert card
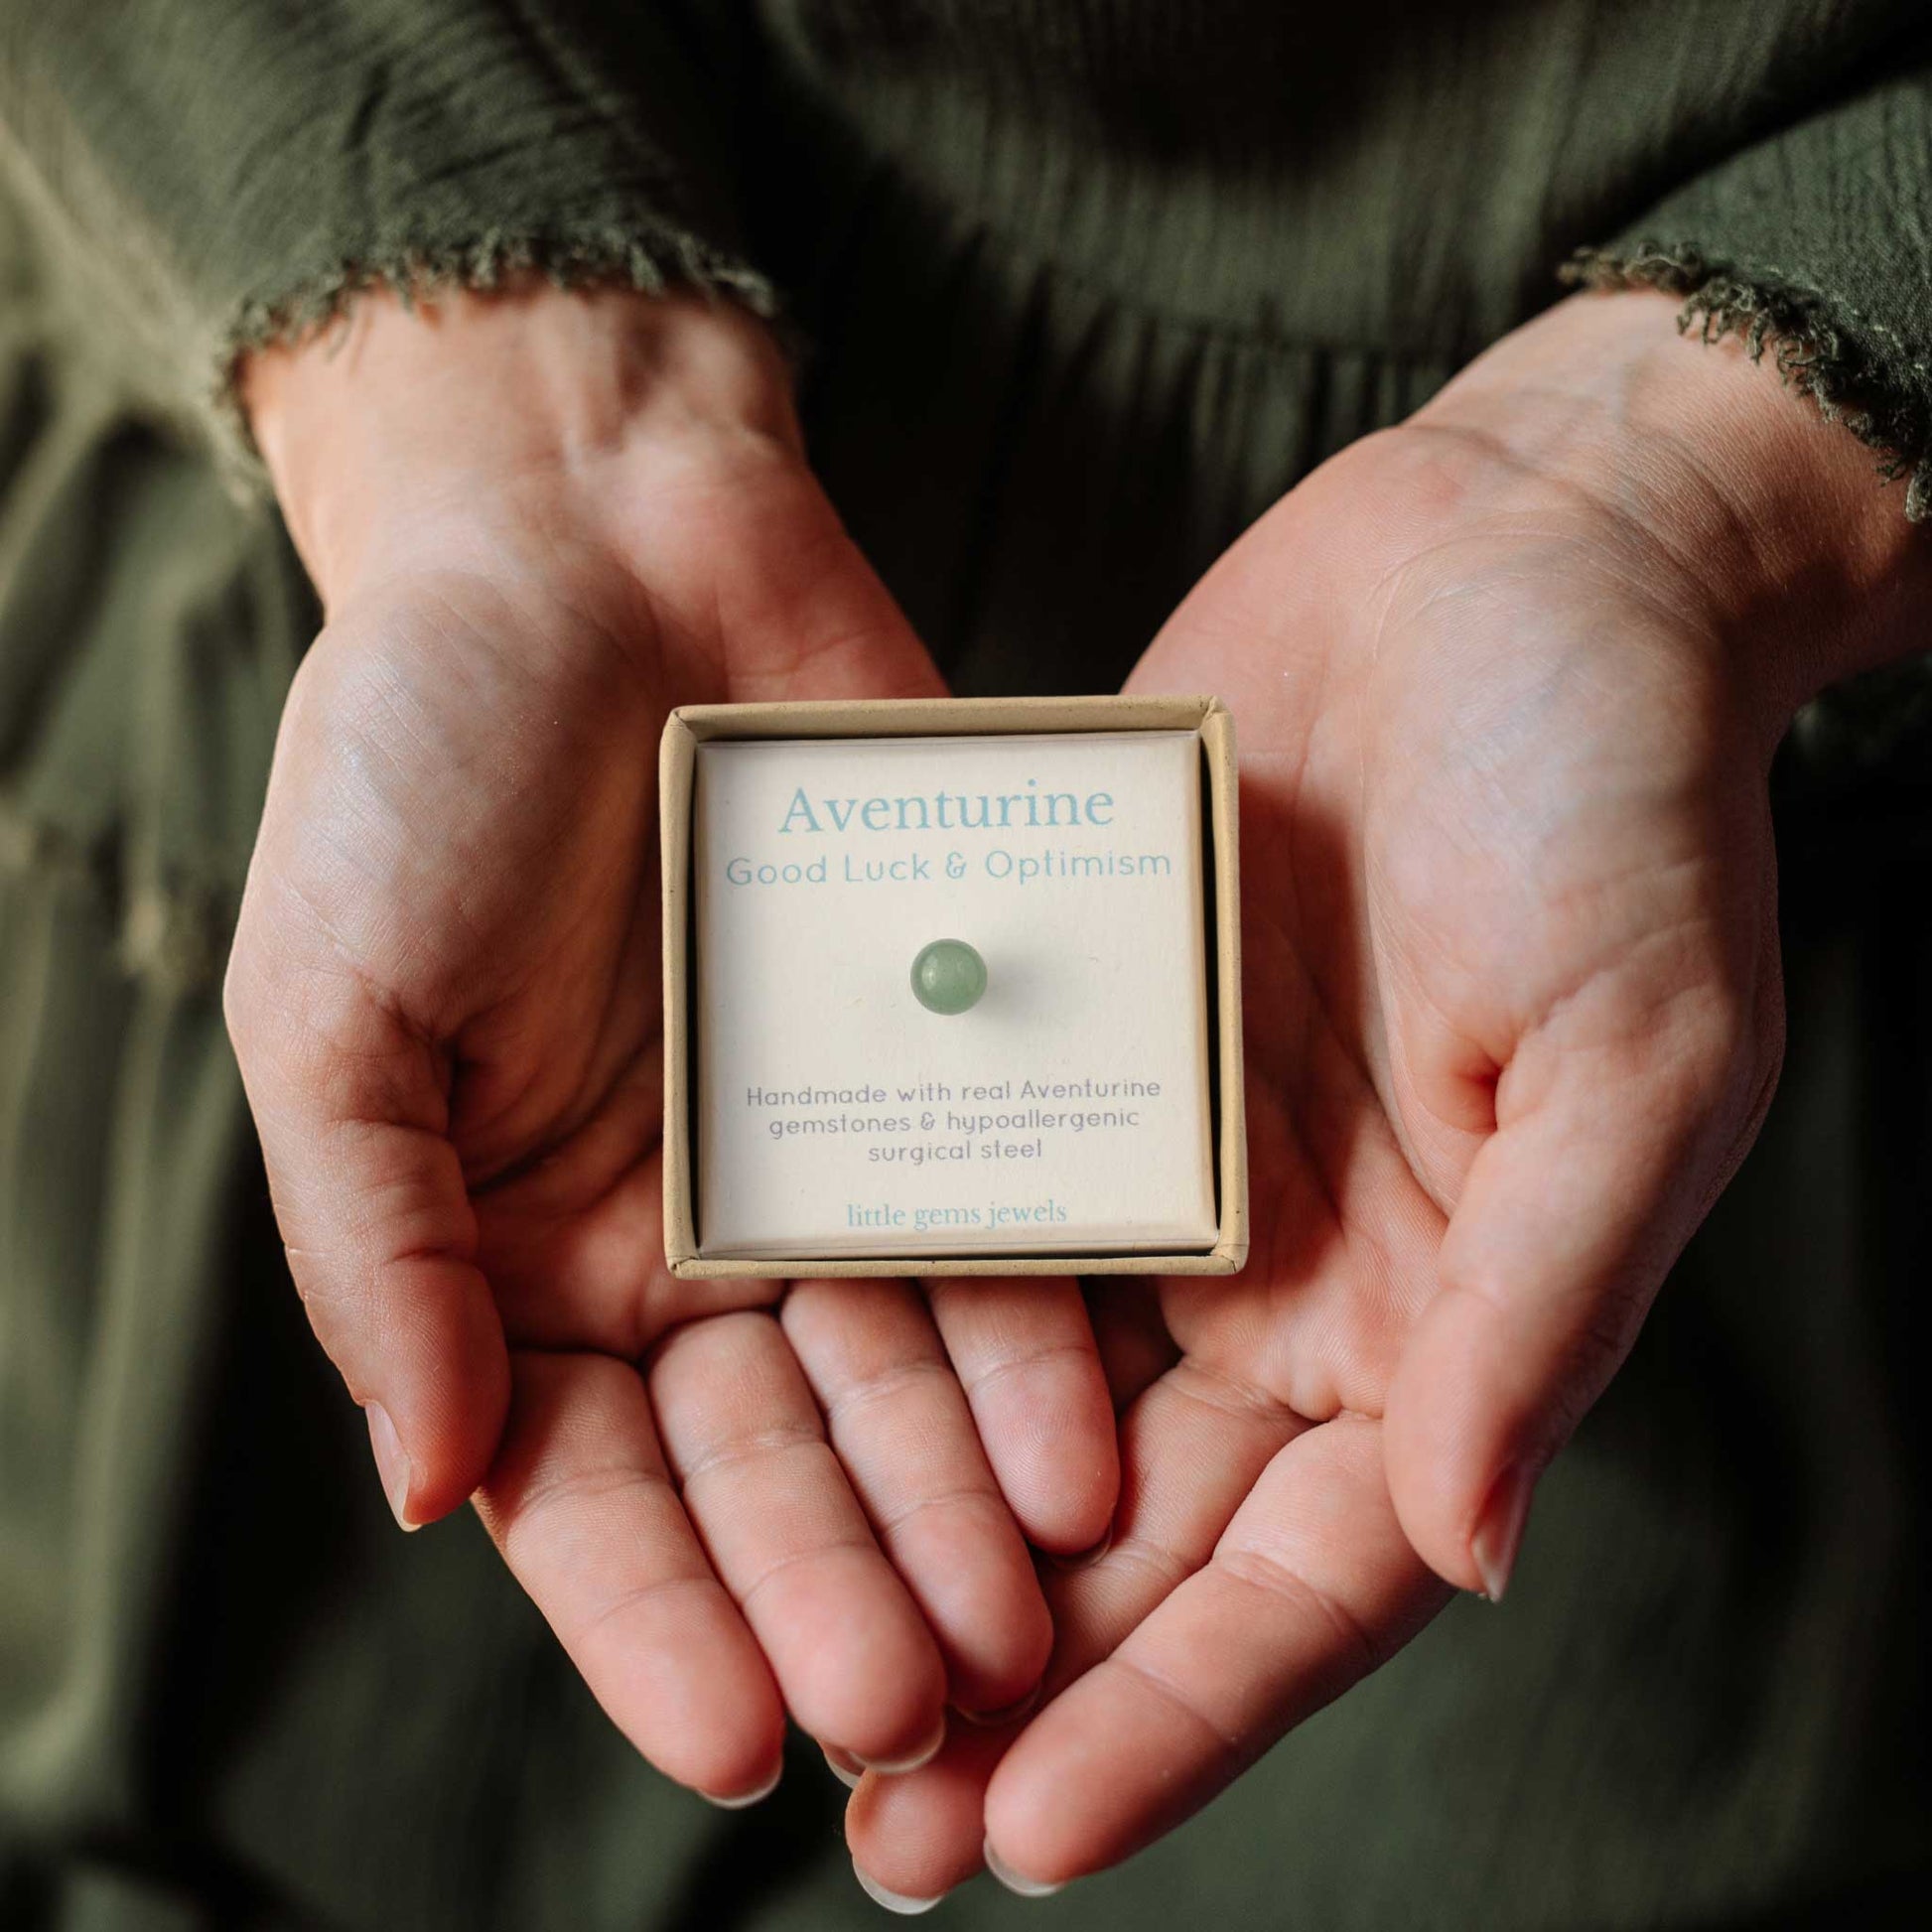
[(1066, 1109)]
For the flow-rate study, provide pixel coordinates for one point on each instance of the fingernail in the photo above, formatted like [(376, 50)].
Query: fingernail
[(1081, 1557), (894, 1902), (746, 1799), (897, 1767), (1006, 1714), (846, 1768), (392, 1464), (1013, 1880), (1500, 1532)]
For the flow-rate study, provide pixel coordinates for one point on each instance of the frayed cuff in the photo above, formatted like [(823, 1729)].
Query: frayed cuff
[(649, 259), (1817, 350)]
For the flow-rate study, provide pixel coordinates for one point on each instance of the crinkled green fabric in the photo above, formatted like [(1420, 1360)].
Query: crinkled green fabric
[(1813, 242), (1083, 285)]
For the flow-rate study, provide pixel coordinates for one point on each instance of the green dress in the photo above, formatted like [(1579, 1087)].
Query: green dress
[(1080, 287)]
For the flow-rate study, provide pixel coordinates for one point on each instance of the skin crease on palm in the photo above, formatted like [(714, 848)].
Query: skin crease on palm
[(1506, 680), (538, 520)]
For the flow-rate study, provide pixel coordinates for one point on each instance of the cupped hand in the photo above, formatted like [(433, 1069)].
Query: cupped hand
[(538, 522), (1506, 681)]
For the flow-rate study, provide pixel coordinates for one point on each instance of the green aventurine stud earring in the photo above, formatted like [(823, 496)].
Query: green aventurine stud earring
[(948, 976)]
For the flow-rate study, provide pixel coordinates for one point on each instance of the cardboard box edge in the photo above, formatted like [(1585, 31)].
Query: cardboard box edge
[(907, 1267), (676, 772), (941, 717), (1224, 792)]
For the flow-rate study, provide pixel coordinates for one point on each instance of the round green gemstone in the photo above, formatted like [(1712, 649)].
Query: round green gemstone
[(948, 976)]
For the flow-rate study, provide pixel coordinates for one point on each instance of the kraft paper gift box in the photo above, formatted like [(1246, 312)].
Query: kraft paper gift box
[(1084, 1114)]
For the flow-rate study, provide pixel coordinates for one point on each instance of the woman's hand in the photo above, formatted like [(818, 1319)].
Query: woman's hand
[(540, 520), (1507, 681)]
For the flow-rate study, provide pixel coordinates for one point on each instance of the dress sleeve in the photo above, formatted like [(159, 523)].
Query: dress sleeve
[(234, 171), (1815, 244)]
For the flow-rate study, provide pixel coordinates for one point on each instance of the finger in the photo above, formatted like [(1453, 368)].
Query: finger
[(1025, 1356), (1313, 1586), (1191, 1448), (901, 1425), (789, 1541), (1605, 1159), (812, 620), (381, 1241), (580, 1505), (917, 1836), (1129, 1334)]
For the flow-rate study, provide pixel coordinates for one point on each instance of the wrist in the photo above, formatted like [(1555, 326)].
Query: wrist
[(1765, 525), (396, 420)]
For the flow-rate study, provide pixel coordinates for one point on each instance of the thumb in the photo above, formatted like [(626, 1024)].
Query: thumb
[(1605, 1159), (373, 1210), (816, 622)]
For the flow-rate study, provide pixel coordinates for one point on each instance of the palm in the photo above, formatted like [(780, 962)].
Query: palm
[(1511, 1011), (510, 805), (1342, 1231), (1497, 820)]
